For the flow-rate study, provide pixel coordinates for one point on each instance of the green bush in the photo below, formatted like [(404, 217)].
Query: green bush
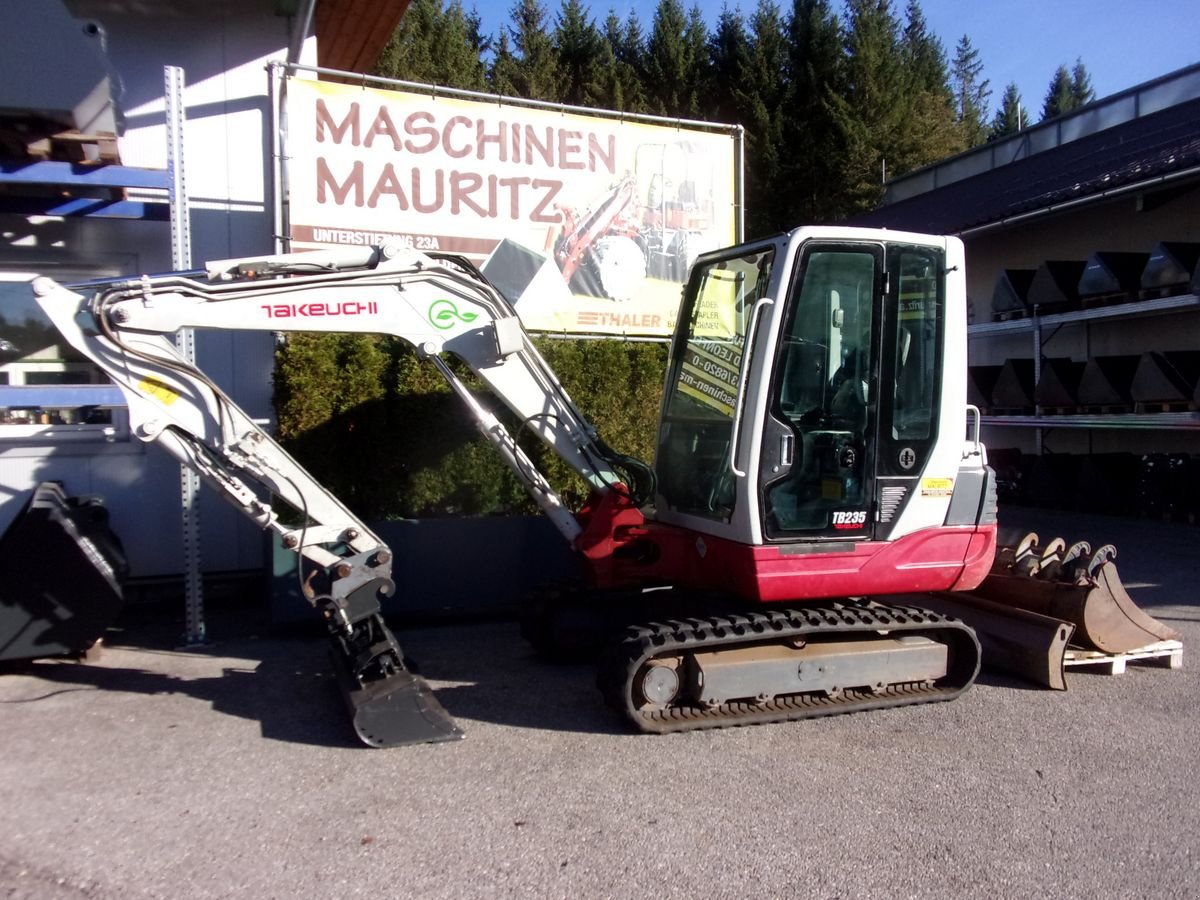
[(381, 429)]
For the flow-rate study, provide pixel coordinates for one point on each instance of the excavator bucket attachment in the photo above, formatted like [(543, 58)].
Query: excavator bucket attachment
[(391, 706), (1104, 615), (61, 568), (1072, 584), (399, 711)]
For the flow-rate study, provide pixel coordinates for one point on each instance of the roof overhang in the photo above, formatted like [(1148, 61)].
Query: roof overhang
[(352, 33)]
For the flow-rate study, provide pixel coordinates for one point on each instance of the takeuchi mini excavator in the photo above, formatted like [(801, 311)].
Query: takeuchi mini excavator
[(814, 453)]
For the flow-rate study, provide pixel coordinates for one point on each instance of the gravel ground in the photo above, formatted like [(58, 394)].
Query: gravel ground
[(232, 771)]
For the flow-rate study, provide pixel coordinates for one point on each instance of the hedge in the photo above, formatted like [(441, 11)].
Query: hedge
[(381, 429)]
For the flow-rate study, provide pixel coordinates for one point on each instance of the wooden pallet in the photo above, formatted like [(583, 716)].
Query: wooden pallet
[(1162, 653)]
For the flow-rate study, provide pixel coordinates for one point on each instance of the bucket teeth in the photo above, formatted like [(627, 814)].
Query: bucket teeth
[(1050, 565), (1077, 550), (1100, 559), (1087, 593), (1027, 556)]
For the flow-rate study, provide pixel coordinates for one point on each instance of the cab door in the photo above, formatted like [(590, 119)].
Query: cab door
[(818, 461)]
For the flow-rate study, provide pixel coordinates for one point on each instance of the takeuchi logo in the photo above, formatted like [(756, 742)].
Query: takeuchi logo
[(444, 314)]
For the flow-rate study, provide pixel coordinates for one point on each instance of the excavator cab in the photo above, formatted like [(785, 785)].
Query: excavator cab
[(815, 403)]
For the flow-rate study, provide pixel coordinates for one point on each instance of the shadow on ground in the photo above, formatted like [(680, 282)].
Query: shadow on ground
[(482, 671)]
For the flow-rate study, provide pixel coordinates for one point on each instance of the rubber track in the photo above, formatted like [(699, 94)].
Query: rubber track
[(640, 643)]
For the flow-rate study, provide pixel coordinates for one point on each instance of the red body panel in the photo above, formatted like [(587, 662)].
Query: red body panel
[(935, 559), (624, 550)]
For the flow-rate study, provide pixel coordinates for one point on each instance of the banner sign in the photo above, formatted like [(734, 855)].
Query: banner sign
[(587, 224)]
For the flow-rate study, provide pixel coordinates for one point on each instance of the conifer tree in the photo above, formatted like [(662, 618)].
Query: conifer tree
[(931, 130), (1082, 92), (767, 109), (729, 67), (1010, 117), (869, 114), (1058, 95), (535, 75), (695, 42), (971, 92), (581, 55), (671, 69), (623, 77), (502, 75), (436, 46), (810, 187), (924, 55)]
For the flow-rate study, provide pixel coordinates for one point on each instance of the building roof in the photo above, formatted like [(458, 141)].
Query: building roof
[(352, 33), (1160, 146)]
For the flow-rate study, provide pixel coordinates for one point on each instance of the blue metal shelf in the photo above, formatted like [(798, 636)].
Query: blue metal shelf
[(60, 396), (81, 175), (94, 179)]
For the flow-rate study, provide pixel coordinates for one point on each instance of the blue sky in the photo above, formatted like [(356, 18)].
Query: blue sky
[(1121, 42)]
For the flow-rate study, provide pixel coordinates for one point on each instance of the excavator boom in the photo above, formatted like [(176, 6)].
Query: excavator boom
[(439, 306)]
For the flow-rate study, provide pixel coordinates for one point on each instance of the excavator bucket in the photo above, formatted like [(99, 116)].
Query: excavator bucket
[(399, 711), (1039, 601), (391, 706), (61, 568), (1104, 615), (1074, 584)]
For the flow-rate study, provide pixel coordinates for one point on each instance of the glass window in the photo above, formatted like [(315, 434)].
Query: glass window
[(707, 367), (918, 321), (822, 395), (48, 390)]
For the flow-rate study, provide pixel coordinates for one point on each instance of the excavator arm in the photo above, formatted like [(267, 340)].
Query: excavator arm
[(441, 306)]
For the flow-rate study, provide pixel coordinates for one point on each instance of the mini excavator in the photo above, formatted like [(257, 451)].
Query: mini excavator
[(815, 452)]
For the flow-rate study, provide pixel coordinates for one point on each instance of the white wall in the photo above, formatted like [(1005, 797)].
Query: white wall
[(224, 49)]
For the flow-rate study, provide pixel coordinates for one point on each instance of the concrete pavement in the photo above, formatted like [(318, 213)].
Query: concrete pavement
[(233, 772)]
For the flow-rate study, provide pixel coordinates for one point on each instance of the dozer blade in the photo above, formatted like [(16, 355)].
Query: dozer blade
[(390, 705), (1015, 640), (1104, 615)]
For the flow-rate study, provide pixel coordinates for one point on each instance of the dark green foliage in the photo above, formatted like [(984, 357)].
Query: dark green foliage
[(870, 114), (436, 46), (624, 82), (382, 431), (676, 61), (971, 93), (831, 107), (1068, 91), (534, 72), (1010, 118), (1082, 92), (1058, 95), (815, 75), (583, 60)]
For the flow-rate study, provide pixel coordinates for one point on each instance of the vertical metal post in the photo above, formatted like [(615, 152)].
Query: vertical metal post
[(277, 76), (185, 340), (1038, 434)]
